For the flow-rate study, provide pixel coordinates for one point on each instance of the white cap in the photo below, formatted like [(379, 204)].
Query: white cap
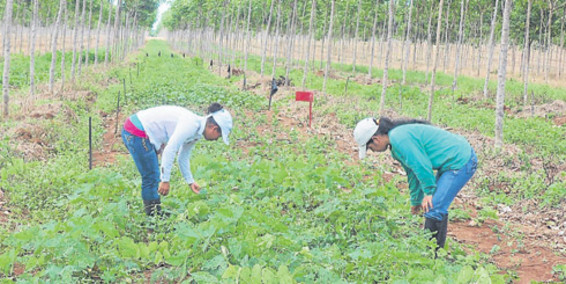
[(224, 120), (363, 132)]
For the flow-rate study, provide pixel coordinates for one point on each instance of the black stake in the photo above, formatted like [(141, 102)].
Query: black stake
[(138, 65), (90, 143), (124, 81), (117, 113), (272, 92), (346, 87), (244, 86)]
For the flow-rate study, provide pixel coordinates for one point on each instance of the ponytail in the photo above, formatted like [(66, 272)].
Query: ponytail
[(386, 124)]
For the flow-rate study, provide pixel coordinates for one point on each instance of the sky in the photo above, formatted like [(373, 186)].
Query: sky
[(162, 8)]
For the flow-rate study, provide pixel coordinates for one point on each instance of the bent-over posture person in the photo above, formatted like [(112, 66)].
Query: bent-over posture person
[(169, 130), (421, 149)]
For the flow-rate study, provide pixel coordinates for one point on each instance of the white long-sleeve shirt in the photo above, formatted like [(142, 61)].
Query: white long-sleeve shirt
[(178, 129)]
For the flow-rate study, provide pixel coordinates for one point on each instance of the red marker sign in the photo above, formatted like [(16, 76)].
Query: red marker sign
[(305, 97)]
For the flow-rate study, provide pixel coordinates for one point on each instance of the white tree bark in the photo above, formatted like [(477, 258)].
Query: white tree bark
[(65, 24), (54, 47), (329, 40), (88, 34), (429, 43), (248, 38), (310, 39), (6, 74), (116, 42), (459, 48), (435, 61), (276, 38), (373, 39), (491, 48), (499, 112), (356, 36), (407, 46), (290, 38), (75, 39), (106, 54), (33, 23), (387, 55), (82, 42), (526, 54), (98, 33), (264, 49)]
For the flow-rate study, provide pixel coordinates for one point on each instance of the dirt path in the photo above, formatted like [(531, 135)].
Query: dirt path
[(515, 246)]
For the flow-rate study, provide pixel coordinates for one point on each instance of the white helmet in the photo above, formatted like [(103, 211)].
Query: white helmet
[(363, 132)]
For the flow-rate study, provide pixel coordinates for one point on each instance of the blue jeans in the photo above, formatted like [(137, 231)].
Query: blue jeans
[(447, 187), (146, 161)]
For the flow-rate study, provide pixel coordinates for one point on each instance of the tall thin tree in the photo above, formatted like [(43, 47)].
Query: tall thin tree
[(309, 39), (329, 41), (459, 48), (75, 39), (6, 74), (491, 47), (526, 53), (356, 35), (373, 39), (435, 60), (407, 43), (499, 111), (108, 38), (98, 33), (387, 55), (33, 23), (54, 47)]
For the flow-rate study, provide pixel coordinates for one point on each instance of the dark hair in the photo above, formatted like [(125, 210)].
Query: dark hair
[(386, 124), (214, 107)]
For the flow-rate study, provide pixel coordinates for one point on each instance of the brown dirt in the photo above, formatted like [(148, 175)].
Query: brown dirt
[(111, 140), (557, 109)]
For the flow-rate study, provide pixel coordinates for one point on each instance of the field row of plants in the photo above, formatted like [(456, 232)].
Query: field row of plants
[(272, 210)]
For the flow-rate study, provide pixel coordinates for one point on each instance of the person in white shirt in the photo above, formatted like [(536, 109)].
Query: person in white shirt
[(169, 130)]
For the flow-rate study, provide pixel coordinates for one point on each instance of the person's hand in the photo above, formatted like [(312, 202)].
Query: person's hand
[(195, 187), (163, 188), (427, 203), (415, 210)]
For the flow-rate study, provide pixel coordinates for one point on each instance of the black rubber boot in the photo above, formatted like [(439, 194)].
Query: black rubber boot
[(433, 226), (152, 207), (442, 227)]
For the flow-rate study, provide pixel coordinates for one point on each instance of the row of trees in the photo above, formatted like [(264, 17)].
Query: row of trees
[(460, 36), (95, 30)]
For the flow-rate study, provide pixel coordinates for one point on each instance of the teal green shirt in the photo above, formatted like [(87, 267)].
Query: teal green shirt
[(423, 148)]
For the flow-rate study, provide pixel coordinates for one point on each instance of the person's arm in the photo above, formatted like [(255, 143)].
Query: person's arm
[(185, 162), (414, 188), (182, 132)]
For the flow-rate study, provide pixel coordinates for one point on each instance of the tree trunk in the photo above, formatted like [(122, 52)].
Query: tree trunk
[(247, 37), (33, 23), (446, 46), (106, 54), (65, 24), (278, 21), (356, 36), (6, 74), (310, 39), (499, 112), (75, 39), (407, 47), (98, 33), (290, 39), (88, 34), (491, 48), (54, 47), (480, 28), (125, 36), (459, 48), (387, 55), (435, 62), (429, 42), (560, 57), (548, 41), (526, 54), (264, 49), (82, 42), (373, 39), (329, 40), (116, 43)]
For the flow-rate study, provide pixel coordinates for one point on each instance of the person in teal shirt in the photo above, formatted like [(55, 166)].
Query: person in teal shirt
[(422, 149)]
